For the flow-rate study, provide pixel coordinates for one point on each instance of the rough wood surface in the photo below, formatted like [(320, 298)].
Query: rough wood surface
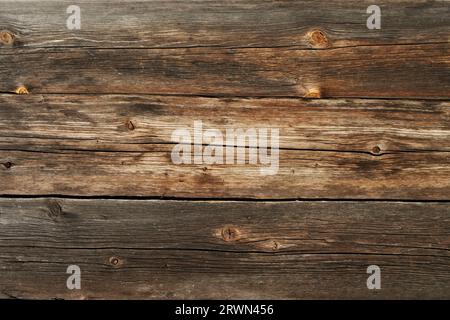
[(234, 48), (182, 249), (420, 71), (83, 145), (103, 102), (244, 23)]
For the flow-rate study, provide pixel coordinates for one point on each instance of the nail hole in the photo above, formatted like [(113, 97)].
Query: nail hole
[(130, 125), (114, 261)]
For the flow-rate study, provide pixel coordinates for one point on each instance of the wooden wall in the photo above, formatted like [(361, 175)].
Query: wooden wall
[(86, 175)]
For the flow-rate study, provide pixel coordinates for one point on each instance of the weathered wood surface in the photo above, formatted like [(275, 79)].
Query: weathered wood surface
[(83, 145), (183, 249), (214, 48), (103, 122), (244, 23), (421, 71), (104, 100)]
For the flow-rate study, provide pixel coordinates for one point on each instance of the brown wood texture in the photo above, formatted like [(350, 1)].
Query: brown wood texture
[(87, 178), (184, 249), (206, 23), (243, 48), (329, 148), (397, 71)]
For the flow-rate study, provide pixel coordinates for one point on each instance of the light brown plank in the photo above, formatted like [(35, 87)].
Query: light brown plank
[(83, 145)]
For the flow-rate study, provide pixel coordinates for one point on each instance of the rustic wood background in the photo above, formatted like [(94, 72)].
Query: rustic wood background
[(86, 176)]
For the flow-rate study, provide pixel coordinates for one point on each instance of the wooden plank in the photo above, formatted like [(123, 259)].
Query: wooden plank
[(420, 71), (244, 23), (102, 122), (352, 149), (183, 249), (104, 101), (302, 174)]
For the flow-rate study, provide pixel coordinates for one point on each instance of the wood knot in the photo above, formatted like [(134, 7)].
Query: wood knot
[(376, 150), (313, 93), (275, 245), (6, 37), (54, 209), (115, 261), (318, 39), (8, 165), (22, 90), (230, 233), (130, 126)]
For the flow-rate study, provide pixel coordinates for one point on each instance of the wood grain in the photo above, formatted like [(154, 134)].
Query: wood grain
[(214, 23), (420, 71), (86, 175), (183, 249), (351, 149), (238, 48)]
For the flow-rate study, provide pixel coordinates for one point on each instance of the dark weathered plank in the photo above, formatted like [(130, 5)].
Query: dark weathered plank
[(182, 249), (420, 71), (121, 145), (244, 23)]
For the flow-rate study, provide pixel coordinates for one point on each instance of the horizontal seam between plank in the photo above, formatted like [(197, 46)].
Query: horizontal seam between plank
[(218, 199)]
